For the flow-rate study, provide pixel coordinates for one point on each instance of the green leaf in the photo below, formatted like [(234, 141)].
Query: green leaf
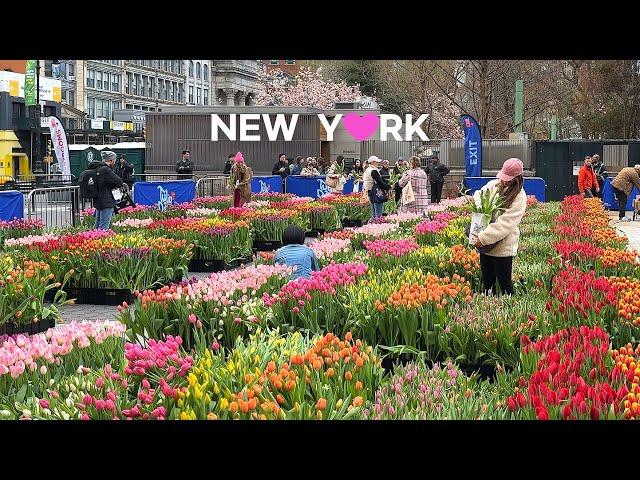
[(21, 394)]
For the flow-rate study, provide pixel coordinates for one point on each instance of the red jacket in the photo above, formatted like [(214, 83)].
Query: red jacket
[(587, 179)]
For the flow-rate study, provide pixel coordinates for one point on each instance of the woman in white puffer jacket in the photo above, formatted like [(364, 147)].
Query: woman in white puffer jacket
[(497, 263)]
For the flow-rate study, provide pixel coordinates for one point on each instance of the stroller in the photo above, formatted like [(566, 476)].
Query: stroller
[(125, 199)]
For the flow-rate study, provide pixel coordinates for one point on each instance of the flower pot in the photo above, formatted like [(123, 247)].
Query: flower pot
[(351, 223)]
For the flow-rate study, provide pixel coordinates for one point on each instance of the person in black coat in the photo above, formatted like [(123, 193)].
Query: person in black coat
[(436, 172), (228, 164), (281, 167), (184, 167), (600, 172), (125, 171), (104, 203)]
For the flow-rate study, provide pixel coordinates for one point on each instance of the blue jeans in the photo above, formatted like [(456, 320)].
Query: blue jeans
[(103, 218), (377, 209)]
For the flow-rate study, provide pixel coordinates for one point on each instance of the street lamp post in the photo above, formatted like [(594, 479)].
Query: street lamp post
[(37, 160)]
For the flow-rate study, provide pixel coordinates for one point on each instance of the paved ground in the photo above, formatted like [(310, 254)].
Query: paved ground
[(630, 229)]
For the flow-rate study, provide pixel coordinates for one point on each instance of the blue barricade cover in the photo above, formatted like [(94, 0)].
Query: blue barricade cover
[(164, 194), (266, 184), (348, 186), (609, 199), (11, 205), (532, 185), (307, 186)]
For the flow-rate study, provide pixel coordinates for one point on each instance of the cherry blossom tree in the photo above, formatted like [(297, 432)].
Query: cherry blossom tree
[(307, 89)]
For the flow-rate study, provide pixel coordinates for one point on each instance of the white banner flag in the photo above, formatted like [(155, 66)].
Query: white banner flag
[(59, 140)]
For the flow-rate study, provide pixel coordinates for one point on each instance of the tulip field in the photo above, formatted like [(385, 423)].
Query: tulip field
[(394, 325)]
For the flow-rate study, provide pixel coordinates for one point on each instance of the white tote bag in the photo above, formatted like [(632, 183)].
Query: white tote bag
[(408, 196)]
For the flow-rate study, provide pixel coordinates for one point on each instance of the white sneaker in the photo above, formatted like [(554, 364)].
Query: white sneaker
[(625, 219)]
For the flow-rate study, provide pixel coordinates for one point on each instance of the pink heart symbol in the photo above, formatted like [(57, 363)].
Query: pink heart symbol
[(361, 128)]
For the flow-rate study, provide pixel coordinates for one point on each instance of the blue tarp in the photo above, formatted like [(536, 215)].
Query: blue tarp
[(532, 185), (11, 205), (307, 186), (609, 199), (266, 184), (164, 194)]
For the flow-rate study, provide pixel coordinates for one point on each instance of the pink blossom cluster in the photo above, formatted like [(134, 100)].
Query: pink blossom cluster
[(20, 352), (164, 355), (430, 226), (202, 212), (376, 229), (446, 203), (402, 217), (134, 222), (218, 199), (444, 216), (30, 240), (21, 224), (307, 89), (396, 248), (258, 204), (219, 287), (137, 209), (88, 212), (327, 247), (324, 281)]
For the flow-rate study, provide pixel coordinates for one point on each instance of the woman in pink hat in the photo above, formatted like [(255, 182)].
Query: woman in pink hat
[(240, 181), (503, 234)]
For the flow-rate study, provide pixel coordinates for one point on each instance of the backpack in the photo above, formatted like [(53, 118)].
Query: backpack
[(89, 184)]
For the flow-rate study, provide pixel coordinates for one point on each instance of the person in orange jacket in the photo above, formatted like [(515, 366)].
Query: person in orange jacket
[(587, 179)]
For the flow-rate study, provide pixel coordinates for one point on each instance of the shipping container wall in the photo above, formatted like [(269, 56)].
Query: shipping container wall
[(168, 135)]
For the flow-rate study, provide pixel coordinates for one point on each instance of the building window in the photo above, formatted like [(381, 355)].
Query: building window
[(115, 105), (206, 96), (172, 91), (99, 80), (135, 84), (71, 68), (72, 98), (115, 82), (198, 95), (91, 107), (91, 78), (206, 72), (289, 62), (180, 93), (127, 86), (152, 88), (129, 106), (274, 62), (191, 68), (190, 93), (198, 70)]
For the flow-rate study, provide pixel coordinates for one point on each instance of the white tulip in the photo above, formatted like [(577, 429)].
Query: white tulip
[(65, 415)]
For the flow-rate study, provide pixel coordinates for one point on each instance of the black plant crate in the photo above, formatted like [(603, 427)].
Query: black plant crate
[(351, 223), (262, 246)]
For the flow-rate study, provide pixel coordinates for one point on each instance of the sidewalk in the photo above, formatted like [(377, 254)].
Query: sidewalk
[(630, 229)]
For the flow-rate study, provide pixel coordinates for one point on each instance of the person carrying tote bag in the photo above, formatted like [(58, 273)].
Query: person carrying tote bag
[(504, 234), (375, 187), (415, 188)]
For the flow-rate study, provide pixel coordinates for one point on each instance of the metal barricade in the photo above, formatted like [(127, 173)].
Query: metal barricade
[(212, 186), (56, 207)]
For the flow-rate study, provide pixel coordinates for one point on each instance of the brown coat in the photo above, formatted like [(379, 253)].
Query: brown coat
[(626, 180), (245, 182)]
